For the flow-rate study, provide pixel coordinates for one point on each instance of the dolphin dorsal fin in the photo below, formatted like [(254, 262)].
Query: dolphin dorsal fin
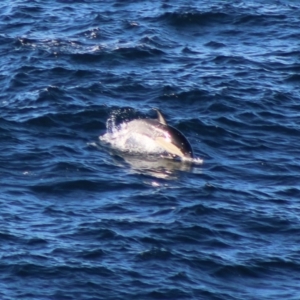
[(160, 117)]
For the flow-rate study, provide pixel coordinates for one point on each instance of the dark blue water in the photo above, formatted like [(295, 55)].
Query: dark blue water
[(82, 222)]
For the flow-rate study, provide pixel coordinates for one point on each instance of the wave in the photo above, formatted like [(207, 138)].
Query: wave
[(223, 14), (198, 18)]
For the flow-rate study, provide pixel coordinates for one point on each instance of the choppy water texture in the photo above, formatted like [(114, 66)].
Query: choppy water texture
[(84, 222)]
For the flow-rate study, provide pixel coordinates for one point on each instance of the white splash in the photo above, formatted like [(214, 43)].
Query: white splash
[(124, 138)]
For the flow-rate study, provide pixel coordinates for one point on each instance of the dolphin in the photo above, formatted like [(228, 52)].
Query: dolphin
[(165, 136)]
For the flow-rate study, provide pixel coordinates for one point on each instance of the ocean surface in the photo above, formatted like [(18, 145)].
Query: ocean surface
[(79, 220)]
